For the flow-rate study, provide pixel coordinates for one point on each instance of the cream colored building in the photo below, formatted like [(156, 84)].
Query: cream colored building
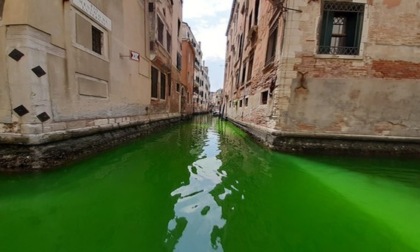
[(77, 67)]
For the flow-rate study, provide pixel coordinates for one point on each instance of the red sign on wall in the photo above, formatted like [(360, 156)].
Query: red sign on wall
[(134, 56)]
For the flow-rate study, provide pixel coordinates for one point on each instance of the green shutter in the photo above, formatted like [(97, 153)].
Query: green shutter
[(327, 27)]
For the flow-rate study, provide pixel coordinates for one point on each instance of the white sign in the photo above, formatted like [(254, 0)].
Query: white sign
[(135, 56), (89, 9)]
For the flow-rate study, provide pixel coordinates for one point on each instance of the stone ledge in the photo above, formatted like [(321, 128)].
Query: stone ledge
[(74, 129), (19, 158), (362, 145)]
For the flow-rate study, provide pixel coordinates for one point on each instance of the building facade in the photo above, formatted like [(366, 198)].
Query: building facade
[(101, 65), (166, 55), (324, 68), (216, 99), (201, 86), (188, 52)]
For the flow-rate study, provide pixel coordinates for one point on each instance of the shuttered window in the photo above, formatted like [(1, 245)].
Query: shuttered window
[(341, 31)]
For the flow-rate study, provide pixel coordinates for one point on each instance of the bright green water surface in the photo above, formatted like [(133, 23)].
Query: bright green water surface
[(205, 186)]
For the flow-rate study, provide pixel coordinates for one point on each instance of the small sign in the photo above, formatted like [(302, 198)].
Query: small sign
[(135, 56)]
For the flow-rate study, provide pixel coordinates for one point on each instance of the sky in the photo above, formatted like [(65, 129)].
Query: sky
[(208, 20)]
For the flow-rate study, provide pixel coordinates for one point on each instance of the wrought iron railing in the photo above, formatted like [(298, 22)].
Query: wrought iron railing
[(338, 50)]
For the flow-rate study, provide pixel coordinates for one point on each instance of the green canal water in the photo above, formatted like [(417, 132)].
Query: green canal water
[(206, 186)]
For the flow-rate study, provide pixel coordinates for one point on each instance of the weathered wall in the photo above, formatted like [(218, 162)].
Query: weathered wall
[(187, 72), (361, 107), (373, 93), (263, 75)]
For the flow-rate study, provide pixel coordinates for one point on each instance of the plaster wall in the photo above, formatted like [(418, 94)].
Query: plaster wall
[(368, 94), (79, 89)]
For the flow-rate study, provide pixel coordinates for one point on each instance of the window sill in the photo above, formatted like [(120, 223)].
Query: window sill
[(89, 51), (334, 56)]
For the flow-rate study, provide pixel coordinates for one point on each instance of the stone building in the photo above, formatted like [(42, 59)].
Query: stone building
[(204, 89), (325, 69), (78, 67), (216, 99), (201, 87), (166, 55)]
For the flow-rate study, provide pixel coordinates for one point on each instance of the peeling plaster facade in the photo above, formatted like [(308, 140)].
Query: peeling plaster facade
[(364, 91)]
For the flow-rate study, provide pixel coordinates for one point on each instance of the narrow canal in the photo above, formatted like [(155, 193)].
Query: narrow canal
[(206, 186)]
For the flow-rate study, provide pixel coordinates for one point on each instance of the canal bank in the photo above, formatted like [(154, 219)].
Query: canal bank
[(73, 145), (317, 143)]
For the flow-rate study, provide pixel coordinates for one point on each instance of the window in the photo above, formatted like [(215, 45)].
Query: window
[(237, 79), (250, 21), (240, 103), (97, 36), (155, 75), (179, 26), (1, 8), (160, 30), (246, 101), (178, 61), (271, 46), (250, 66), (257, 11), (162, 86), (241, 45), (168, 41), (243, 74), (264, 97), (177, 87), (341, 30), (90, 36), (169, 87)]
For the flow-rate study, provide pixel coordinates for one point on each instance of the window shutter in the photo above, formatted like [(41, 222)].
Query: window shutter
[(327, 27)]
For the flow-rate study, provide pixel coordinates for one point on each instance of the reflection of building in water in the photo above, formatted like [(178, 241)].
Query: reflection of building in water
[(198, 217)]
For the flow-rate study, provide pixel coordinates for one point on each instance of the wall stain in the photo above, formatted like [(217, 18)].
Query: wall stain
[(392, 3)]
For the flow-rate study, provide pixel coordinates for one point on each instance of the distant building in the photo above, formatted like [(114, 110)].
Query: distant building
[(201, 86), (324, 68), (216, 99)]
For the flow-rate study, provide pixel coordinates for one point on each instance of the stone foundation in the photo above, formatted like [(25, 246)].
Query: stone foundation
[(357, 145), (18, 158)]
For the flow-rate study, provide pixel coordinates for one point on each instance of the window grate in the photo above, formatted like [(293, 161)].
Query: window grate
[(96, 40), (1, 8), (342, 24), (338, 50)]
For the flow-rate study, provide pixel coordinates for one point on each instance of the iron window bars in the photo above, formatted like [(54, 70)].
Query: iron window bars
[(341, 30)]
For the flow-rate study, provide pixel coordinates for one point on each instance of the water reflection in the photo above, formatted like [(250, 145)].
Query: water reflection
[(198, 217)]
